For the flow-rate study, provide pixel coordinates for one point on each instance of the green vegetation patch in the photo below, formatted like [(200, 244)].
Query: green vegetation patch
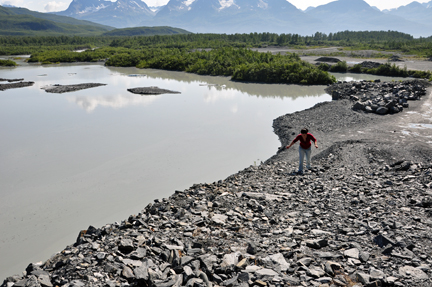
[(7, 63), (239, 63)]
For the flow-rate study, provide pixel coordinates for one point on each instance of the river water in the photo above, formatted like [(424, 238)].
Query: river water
[(96, 156)]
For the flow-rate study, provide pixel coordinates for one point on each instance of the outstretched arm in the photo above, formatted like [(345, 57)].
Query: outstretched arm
[(316, 143), (290, 145)]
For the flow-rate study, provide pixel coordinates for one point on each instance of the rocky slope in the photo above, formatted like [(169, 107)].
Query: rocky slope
[(361, 217)]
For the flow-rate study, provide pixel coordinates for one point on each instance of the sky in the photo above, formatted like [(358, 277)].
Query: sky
[(60, 5)]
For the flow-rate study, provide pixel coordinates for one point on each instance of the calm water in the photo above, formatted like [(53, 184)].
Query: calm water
[(96, 156)]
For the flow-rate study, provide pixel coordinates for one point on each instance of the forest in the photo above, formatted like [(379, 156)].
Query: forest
[(222, 54)]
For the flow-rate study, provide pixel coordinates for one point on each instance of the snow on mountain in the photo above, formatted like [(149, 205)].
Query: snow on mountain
[(245, 16)]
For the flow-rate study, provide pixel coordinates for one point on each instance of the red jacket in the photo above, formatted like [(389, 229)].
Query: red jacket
[(305, 144)]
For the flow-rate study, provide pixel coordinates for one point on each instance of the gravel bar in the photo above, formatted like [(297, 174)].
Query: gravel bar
[(362, 216), (59, 89)]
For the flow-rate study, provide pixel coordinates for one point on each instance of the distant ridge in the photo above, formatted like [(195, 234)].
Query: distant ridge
[(24, 22), (414, 11), (357, 15), (146, 31)]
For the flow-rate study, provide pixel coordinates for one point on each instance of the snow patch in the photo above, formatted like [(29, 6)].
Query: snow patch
[(188, 2), (92, 9)]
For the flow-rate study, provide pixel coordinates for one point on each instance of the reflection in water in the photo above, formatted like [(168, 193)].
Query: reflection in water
[(89, 103), (220, 83)]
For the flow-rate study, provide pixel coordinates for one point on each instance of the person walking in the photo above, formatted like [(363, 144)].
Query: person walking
[(305, 147)]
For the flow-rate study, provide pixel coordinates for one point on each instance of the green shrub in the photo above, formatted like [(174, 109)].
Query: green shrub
[(7, 63), (356, 69), (340, 67), (324, 66)]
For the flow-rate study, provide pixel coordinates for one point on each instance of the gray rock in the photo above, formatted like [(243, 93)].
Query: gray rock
[(126, 246), (358, 106), (376, 274), (363, 278), (230, 259), (252, 248), (382, 110), (208, 261), (330, 267), (141, 273), (306, 261), (266, 272), (410, 271), (317, 244), (219, 219), (279, 260), (140, 253), (45, 281), (128, 273), (352, 253), (315, 272)]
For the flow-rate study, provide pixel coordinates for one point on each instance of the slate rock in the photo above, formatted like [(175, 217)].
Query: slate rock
[(410, 271), (315, 272)]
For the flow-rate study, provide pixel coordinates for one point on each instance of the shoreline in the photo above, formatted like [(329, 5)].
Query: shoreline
[(261, 225)]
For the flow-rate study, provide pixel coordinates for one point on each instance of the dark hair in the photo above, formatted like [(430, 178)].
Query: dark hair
[(304, 131)]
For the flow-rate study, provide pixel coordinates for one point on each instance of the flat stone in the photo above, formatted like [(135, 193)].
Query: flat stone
[(141, 273), (363, 278), (128, 273), (138, 254), (316, 244), (266, 272), (410, 271), (219, 219), (253, 268), (230, 259), (352, 253), (279, 260), (318, 232), (315, 272), (306, 261)]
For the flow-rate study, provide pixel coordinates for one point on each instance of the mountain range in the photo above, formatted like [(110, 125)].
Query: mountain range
[(24, 22), (245, 16)]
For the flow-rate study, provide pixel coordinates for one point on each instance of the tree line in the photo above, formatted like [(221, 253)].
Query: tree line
[(376, 40), (241, 64)]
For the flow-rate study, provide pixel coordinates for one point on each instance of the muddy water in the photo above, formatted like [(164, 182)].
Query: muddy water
[(96, 156)]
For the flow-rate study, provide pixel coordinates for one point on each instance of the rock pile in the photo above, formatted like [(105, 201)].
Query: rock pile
[(263, 227), (59, 89), (379, 97), (328, 60), (4, 87), (11, 80), (151, 91)]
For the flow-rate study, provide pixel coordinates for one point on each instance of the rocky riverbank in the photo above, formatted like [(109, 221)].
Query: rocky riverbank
[(361, 217)]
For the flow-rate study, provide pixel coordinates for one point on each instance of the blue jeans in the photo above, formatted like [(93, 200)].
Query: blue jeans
[(302, 153)]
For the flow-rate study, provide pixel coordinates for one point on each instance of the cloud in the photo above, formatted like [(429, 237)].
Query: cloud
[(90, 103), (55, 6), (15, 3)]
